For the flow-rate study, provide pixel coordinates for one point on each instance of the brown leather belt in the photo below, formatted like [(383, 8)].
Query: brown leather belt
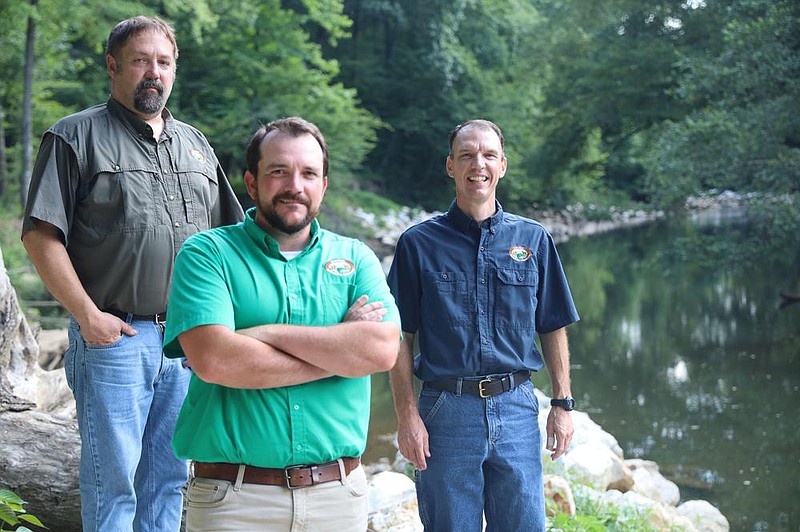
[(486, 387), (293, 477)]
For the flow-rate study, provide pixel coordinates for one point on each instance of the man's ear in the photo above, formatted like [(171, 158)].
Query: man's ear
[(111, 65), (448, 164), (251, 184)]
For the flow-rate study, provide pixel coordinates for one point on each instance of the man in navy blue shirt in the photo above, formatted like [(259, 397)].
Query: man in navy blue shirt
[(476, 285)]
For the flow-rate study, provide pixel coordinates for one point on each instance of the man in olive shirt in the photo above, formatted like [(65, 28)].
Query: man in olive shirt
[(115, 191), (272, 316)]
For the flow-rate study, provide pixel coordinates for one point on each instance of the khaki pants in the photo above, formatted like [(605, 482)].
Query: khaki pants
[(222, 506)]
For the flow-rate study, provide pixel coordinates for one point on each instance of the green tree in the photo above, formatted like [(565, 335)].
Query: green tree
[(743, 132), (257, 62)]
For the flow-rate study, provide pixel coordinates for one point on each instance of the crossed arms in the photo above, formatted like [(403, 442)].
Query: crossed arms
[(274, 355)]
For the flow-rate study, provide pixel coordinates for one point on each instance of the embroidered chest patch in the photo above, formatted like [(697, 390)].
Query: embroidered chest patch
[(340, 267), (198, 155), (520, 253)]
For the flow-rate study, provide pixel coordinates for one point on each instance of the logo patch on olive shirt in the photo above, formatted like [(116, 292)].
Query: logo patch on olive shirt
[(520, 253), (341, 267), (198, 155)]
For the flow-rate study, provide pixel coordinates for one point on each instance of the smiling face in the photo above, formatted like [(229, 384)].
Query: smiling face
[(142, 73), (289, 187), (476, 164)]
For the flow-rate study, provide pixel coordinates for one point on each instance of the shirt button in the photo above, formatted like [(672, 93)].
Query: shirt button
[(444, 276), (177, 224), (483, 248), (293, 296), (299, 447), (483, 281), (520, 278), (297, 407), (172, 197)]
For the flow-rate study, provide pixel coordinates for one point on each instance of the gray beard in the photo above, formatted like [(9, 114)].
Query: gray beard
[(148, 103)]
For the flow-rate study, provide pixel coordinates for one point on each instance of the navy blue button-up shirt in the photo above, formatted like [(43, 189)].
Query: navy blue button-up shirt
[(476, 294)]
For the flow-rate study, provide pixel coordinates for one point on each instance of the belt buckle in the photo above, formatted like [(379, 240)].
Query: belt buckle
[(160, 321), (287, 475), (484, 394)]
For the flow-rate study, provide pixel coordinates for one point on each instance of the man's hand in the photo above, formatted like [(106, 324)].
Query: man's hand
[(105, 329), (559, 431), (363, 311), (412, 438)]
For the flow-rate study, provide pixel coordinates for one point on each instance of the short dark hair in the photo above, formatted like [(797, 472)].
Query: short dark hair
[(481, 124), (293, 126), (129, 28)]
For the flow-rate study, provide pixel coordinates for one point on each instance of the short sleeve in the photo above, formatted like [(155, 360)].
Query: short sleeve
[(405, 285)]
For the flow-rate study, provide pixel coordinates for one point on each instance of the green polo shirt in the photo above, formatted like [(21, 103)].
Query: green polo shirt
[(236, 276)]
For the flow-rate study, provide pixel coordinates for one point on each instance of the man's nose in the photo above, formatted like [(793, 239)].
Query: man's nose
[(294, 182), (152, 70)]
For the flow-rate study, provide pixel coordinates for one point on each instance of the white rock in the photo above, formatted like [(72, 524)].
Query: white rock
[(652, 484), (704, 516)]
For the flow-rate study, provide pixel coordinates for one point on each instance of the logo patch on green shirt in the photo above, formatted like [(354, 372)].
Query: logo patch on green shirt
[(341, 267)]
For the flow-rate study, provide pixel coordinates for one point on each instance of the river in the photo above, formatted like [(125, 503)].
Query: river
[(683, 354)]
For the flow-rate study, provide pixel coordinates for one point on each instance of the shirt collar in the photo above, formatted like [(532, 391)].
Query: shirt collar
[(266, 242), (464, 223), (139, 126)]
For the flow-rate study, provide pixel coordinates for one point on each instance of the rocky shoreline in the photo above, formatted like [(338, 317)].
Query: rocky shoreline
[(594, 469)]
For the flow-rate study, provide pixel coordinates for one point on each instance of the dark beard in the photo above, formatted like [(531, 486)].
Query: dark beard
[(274, 220), (147, 102)]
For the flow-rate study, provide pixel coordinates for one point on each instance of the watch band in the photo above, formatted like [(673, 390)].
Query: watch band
[(567, 403)]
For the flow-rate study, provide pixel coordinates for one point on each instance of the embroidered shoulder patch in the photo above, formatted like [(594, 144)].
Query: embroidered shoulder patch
[(198, 155), (341, 267), (520, 253)]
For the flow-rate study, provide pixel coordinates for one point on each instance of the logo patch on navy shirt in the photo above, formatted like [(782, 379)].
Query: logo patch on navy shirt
[(520, 253), (341, 267), (197, 155)]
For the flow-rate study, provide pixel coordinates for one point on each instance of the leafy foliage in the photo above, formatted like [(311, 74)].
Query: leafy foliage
[(644, 100), (12, 513)]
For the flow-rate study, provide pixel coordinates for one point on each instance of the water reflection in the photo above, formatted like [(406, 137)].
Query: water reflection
[(687, 360), (683, 354)]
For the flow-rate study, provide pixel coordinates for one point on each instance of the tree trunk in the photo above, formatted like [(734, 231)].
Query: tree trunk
[(27, 110), (3, 167), (40, 446)]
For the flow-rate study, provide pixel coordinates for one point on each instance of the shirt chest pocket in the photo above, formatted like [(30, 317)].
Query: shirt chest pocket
[(337, 295), (117, 199), (198, 189), (515, 298), (446, 296)]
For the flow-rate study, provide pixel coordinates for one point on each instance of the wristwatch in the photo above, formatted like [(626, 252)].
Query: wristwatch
[(567, 403)]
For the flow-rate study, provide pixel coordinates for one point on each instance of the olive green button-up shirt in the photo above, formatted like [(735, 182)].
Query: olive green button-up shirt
[(125, 203)]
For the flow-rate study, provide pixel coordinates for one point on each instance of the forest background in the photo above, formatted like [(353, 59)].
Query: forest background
[(619, 103)]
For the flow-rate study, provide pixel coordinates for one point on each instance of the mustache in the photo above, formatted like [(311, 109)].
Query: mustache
[(150, 84), (289, 196)]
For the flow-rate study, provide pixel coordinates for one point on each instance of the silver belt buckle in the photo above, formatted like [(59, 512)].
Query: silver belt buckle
[(481, 391)]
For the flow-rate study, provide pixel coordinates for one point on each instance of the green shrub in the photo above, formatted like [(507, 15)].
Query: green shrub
[(14, 515)]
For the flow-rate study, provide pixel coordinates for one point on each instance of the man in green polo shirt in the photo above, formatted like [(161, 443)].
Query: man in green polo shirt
[(282, 323)]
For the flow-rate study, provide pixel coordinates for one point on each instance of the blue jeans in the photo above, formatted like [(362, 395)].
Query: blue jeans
[(485, 459), (128, 396)]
